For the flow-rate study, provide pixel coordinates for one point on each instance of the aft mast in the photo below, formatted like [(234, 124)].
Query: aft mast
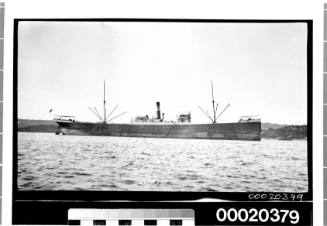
[(213, 118), (104, 102), (213, 105)]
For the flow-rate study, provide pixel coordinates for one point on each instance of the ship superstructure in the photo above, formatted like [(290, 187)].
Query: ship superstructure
[(247, 128)]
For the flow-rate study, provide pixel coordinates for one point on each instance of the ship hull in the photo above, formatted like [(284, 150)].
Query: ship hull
[(222, 131)]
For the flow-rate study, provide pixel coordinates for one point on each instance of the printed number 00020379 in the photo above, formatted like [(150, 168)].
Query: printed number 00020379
[(274, 196), (274, 215)]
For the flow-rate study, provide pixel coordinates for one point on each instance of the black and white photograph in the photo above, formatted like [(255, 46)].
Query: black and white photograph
[(173, 106)]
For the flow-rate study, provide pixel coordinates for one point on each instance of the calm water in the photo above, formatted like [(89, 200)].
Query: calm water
[(50, 162)]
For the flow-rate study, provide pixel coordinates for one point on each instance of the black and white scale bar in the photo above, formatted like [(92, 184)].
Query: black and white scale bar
[(134, 217)]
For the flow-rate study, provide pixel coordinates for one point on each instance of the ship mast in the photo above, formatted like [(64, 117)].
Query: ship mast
[(104, 102), (213, 105), (106, 118), (214, 108)]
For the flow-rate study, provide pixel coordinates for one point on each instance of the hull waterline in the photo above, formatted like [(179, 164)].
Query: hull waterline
[(222, 131)]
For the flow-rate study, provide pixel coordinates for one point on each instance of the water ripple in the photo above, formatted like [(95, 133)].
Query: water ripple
[(50, 162)]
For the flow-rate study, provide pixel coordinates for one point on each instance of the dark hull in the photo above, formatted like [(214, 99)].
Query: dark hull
[(222, 131)]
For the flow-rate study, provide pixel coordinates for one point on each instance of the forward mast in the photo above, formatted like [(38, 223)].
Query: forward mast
[(106, 118)]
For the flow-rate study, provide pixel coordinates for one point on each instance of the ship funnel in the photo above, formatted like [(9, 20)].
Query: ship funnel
[(158, 111)]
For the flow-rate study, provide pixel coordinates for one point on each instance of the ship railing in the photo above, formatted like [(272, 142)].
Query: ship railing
[(64, 118), (252, 118)]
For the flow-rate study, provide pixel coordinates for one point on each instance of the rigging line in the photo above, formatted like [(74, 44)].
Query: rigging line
[(116, 116), (205, 113), (112, 111), (223, 111), (94, 113), (208, 114), (98, 113)]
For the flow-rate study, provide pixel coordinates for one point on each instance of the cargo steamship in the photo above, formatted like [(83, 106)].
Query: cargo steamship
[(247, 128)]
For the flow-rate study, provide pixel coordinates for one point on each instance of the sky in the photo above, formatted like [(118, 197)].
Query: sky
[(257, 68)]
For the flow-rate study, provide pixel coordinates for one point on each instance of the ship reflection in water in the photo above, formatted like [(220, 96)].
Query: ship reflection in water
[(50, 162)]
